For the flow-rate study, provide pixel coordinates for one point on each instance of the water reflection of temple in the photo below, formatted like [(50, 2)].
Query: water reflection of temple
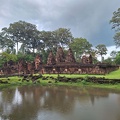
[(29, 101)]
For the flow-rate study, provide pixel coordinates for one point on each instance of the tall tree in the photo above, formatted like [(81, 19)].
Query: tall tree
[(117, 58), (101, 50), (2, 43), (63, 37), (16, 31), (113, 54), (93, 52), (47, 39), (115, 21), (6, 43), (80, 46), (23, 32), (33, 38)]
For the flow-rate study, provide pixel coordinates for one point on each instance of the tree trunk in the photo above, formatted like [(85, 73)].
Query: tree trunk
[(101, 59), (17, 48)]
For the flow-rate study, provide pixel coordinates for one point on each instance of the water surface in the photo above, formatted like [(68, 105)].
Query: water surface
[(59, 103)]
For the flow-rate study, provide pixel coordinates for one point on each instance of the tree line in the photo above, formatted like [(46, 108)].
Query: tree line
[(31, 41)]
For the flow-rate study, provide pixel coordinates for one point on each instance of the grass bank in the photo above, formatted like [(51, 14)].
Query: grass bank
[(51, 79), (111, 75)]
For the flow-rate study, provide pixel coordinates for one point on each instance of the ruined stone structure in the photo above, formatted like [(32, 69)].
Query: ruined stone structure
[(70, 57), (22, 66), (60, 57), (30, 67), (58, 65), (51, 59), (86, 59), (37, 61), (9, 67), (67, 64)]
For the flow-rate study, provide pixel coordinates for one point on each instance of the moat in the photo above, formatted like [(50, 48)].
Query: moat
[(59, 103)]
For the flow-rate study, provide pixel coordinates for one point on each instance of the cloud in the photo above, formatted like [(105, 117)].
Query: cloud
[(85, 18)]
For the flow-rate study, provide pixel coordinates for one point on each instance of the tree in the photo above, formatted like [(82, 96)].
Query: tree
[(6, 43), (113, 54), (93, 52), (23, 32), (48, 41), (1, 41), (63, 37), (115, 21), (80, 46), (7, 57), (33, 38), (51, 40), (117, 39), (117, 58), (108, 60), (16, 31), (101, 50), (27, 57)]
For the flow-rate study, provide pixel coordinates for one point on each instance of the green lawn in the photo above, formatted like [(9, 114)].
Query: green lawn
[(112, 75), (13, 81)]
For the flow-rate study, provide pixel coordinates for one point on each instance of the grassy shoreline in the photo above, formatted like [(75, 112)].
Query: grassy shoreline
[(17, 81)]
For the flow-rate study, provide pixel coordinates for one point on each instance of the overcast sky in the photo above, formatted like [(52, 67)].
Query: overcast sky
[(85, 18)]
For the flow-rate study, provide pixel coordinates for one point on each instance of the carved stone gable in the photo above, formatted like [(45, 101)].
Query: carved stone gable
[(37, 61), (51, 59), (70, 57), (60, 57)]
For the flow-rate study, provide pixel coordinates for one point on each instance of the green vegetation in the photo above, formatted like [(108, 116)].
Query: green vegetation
[(53, 79), (115, 21), (101, 50), (32, 41), (112, 75), (80, 46)]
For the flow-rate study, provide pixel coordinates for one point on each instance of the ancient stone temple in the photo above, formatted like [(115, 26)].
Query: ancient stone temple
[(60, 57), (70, 57), (87, 59), (37, 61), (58, 65), (90, 59), (51, 59)]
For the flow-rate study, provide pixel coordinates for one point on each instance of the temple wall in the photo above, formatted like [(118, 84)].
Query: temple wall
[(79, 69), (58, 64)]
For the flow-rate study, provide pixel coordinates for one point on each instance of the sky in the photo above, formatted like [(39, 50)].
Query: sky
[(85, 18)]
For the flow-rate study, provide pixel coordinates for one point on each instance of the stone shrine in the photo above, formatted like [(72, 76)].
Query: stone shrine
[(86, 59), (51, 59), (70, 57), (60, 64), (60, 57)]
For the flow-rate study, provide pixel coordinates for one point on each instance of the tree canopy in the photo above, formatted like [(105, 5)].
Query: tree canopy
[(24, 32), (30, 39), (117, 58), (115, 21), (80, 46), (101, 50)]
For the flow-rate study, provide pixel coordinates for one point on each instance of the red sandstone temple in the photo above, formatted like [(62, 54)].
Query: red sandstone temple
[(67, 64), (59, 64)]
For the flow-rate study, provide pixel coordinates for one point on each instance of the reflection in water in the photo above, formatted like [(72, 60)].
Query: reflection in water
[(59, 103), (17, 98)]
